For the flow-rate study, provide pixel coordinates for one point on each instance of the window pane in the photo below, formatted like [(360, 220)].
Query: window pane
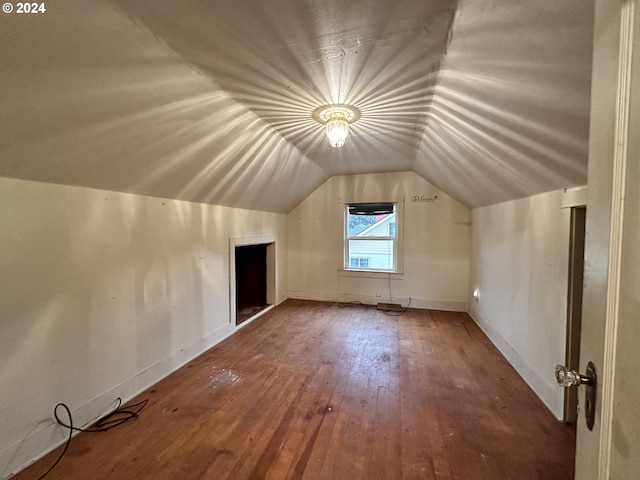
[(371, 225), (359, 223), (377, 253)]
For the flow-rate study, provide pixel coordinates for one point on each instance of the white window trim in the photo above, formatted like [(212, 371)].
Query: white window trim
[(399, 271), (370, 274)]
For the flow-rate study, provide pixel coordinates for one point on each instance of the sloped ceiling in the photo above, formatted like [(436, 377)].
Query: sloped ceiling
[(211, 101), (509, 116)]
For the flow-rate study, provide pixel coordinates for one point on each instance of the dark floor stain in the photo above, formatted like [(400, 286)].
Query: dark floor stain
[(306, 454)]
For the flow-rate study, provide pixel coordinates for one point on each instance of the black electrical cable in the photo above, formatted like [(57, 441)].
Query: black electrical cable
[(66, 446), (102, 425), (397, 314), (346, 304)]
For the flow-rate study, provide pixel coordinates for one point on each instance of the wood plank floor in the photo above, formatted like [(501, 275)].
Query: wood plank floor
[(311, 390)]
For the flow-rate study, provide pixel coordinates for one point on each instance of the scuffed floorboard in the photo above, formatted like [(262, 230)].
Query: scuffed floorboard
[(312, 390)]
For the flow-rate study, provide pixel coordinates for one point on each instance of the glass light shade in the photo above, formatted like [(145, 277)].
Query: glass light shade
[(337, 129)]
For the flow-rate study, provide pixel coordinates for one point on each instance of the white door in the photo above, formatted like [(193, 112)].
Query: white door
[(611, 308)]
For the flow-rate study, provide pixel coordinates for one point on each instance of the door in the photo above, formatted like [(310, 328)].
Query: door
[(611, 311), (251, 280), (574, 306)]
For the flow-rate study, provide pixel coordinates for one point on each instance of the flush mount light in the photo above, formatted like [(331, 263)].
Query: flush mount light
[(336, 119)]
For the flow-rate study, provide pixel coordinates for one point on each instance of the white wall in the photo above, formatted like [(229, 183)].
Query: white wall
[(519, 263), (436, 244), (102, 295)]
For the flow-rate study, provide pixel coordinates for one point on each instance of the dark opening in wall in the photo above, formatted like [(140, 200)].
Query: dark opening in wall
[(251, 281)]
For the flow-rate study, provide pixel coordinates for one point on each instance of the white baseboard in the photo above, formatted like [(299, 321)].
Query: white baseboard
[(422, 303), (257, 315), (45, 437), (546, 392)]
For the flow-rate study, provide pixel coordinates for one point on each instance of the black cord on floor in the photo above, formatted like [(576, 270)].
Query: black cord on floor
[(389, 313), (346, 304), (397, 314), (66, 446), (105, 423)]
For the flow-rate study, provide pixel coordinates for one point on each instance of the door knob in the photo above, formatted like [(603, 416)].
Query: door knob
[(571, 378)]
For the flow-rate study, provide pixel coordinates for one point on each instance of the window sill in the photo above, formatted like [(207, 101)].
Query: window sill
[(370, 274)]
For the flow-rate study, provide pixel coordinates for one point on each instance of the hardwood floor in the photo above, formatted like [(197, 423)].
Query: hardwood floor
[(311, 390)]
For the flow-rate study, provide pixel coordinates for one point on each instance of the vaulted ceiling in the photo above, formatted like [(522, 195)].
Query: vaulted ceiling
[(212, 101)]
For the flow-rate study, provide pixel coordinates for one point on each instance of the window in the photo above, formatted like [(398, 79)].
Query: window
[(359, 262), (371, 241)]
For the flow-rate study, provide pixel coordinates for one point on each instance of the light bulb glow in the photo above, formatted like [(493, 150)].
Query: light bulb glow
[(337, 129), (336, 120)]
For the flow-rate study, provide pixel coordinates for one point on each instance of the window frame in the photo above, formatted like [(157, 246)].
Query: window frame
[(396, 271)]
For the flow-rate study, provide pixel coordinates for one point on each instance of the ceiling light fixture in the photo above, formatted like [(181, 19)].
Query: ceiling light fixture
[(336, 119), (337, 129)]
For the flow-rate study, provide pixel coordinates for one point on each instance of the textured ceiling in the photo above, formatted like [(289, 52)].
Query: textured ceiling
[(212, 101)]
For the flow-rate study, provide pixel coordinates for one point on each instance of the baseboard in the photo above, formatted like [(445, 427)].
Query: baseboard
[(45, 437), (422, 303), (547, 393), (254, 317)]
